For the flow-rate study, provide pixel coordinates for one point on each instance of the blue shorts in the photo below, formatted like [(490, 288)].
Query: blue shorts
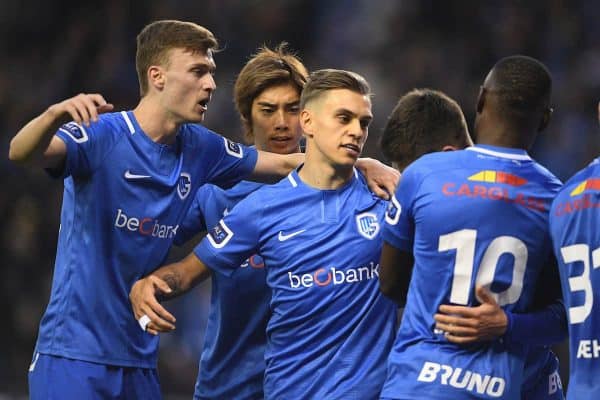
[(548, 386), (52, 377)]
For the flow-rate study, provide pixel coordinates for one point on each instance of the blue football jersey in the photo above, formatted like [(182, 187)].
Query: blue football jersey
[(232, 365), (574, 222), (473, 217), (330, 329), (124, 198)]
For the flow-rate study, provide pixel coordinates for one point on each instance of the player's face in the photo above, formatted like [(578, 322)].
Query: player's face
[(274, 118), (188, 84), (339, 126)]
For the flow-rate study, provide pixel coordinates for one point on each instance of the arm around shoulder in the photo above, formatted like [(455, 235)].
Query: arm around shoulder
[(270, 167)]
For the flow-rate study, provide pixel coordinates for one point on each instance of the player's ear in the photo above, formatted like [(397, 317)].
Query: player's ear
[(306, 122), (156, 77), (449, 147), (481, 99), (546, 115)]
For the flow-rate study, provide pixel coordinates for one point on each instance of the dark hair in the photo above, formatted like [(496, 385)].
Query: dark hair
[(521, 84), (157, 38), (329, 79), (423, 121), (267, 68)]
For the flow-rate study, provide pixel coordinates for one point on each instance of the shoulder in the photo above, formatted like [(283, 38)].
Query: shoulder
[(108, 127), (582, 177), (199, 137), (547, 178)]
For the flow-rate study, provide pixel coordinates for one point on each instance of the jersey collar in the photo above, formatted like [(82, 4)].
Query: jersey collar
[(501, 152)]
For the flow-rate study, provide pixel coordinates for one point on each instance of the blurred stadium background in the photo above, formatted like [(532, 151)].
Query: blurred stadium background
[(52, 50)]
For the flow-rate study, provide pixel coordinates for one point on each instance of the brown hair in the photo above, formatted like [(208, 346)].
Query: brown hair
[(423, 121), (266, 68), (157, 38), (330, 79)]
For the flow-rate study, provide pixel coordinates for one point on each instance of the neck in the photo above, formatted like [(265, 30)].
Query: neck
[(321, 174), (155, 121), (496, 132)]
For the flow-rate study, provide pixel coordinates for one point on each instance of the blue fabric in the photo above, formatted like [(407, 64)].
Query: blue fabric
[(58, 378), (474, 216), (542, 376), (232, 364), (543, 327), (123, 201), (331, 329), (574, 222)]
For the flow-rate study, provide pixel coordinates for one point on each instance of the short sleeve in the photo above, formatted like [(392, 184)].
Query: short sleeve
[(233, 239), (233, 162), (86, 147), (399, 227)]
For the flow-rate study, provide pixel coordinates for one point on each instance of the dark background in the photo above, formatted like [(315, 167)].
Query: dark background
[(51, 50)]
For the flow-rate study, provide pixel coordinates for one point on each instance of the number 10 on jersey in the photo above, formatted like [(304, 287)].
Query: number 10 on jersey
[(464, 242)]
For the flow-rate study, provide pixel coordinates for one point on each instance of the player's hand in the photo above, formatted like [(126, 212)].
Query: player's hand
[(382, 180), (464, 325), (143, 301), (82, 108)]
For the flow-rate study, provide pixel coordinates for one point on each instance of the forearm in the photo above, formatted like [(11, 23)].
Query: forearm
[(182, 276), (34, 138), (544, 327), (271, 167)]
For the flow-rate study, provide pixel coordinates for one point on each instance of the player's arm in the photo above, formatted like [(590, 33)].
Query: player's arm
[(167, 282), (395, 269), (36, 143), (545, 324), (271, 167)]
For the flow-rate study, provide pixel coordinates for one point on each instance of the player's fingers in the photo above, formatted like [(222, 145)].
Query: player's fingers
[(160, 310), (73, 112), (160, 284), (380, 192), (484, 295), (463, 330), (89, 103), (80, 102), (455, 321), (105, 108), (155, 329), (457, 310), (100, 105), (460, 339), (157, 320)]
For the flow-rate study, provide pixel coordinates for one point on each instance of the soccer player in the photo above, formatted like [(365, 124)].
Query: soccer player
[(574, 220), (471, 218), (425, 121), (128, 177), (267, 97), (318, 234)]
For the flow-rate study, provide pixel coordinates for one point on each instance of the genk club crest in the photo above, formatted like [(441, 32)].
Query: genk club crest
[(367, 225), (184, 185)]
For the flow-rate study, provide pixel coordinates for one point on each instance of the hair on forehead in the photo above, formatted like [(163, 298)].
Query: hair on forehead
[(325, 80), (267, 68)]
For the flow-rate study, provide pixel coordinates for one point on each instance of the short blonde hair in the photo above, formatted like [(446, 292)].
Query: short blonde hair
[(157, 38)]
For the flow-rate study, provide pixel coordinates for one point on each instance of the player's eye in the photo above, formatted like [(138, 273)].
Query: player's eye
[(364, 123), (343, 118)]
